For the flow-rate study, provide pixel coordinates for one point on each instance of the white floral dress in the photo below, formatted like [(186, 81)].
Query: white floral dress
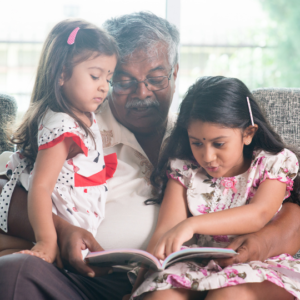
[(80, 191), (206, 195)]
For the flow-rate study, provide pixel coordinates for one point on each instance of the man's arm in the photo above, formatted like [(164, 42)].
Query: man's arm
[(280, 235), (71, 239)]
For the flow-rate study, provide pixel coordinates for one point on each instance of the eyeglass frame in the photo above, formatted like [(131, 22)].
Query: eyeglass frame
[(143, 81)]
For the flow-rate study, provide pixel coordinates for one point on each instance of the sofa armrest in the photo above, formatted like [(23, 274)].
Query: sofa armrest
[(8, 113)]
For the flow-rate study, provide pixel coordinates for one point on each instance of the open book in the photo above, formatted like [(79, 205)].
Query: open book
[(122, 257)]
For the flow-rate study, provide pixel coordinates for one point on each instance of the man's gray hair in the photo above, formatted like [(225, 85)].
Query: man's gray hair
[(143, 30)]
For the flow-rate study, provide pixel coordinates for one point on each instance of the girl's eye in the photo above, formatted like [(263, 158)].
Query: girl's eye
[(219, 145), (94, 77), (197, 144)]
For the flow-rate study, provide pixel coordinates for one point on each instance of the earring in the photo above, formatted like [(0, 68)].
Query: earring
[(248, 143)]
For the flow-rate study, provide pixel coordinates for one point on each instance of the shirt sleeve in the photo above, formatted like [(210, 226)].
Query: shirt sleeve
[(181, 170), (283, 167), (55, 127)]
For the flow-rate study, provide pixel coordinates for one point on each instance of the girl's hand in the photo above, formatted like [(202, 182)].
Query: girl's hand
[(172, 240), (45, 251)]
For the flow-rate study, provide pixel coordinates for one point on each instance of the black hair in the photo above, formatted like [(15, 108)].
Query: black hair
[(57, 58), (218, 100)]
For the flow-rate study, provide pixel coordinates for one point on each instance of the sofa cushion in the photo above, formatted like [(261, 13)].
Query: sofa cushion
[(282, 108)]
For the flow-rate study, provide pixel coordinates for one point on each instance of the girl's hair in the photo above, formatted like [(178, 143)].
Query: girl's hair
[(218, 100), (57, 58)]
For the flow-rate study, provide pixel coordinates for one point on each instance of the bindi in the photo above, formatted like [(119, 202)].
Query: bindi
[(204, 139), (108, 71)]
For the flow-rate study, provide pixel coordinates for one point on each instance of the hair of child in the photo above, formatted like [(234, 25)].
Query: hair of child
[(57, 58), (218, 100)]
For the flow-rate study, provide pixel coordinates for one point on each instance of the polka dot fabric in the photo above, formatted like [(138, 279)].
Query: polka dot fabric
[(80, 191)]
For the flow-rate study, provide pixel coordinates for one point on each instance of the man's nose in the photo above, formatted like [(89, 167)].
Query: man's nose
[(142, 92)]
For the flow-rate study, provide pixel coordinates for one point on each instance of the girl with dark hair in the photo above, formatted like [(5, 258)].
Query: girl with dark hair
[(224, 172), (60, 156)]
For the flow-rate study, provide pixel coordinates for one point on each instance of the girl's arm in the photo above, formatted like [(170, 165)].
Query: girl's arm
[(47, 167), (280, 235), (239, 220), (173, 210)]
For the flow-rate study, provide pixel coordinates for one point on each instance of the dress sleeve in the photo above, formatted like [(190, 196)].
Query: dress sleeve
[(55, 127), (283, 167), (181, 170)]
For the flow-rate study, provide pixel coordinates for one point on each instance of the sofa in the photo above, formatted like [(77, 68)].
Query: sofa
[(8, 111), (281, 106)]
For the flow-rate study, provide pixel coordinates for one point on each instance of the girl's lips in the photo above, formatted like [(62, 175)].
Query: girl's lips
[(98, 99), (212, 169)]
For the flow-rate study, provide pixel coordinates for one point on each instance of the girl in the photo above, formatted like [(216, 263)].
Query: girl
[(60, 157), (228, 175)]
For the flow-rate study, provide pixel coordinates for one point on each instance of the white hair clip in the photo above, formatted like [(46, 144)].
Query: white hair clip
[(250, 111)]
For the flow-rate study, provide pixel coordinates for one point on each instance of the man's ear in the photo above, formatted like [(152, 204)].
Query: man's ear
[(249, 133), (175, 71)]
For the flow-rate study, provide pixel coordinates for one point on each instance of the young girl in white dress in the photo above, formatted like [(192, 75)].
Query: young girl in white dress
[(228, 174), (60, 159)]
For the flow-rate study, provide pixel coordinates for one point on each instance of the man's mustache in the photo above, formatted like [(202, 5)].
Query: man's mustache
[(141, 103)]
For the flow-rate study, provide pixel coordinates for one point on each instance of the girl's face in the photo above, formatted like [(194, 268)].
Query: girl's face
[(219, 150), (88, 86)]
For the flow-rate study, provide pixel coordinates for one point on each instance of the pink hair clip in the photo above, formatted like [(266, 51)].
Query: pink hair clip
[(72, 36), (250, 111)]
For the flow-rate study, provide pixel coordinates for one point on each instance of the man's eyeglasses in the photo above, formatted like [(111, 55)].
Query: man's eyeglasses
[(153, 84)]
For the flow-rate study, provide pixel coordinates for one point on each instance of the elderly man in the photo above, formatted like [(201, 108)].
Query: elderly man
[(134, 122)]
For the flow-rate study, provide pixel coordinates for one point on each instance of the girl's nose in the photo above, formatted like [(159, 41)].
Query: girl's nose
[(209, 155), (103, 86)]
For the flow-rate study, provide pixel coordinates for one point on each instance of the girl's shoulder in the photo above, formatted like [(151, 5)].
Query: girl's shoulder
[(53, 119), (182, 170), (274, 166), (54, 127), (285, 156)]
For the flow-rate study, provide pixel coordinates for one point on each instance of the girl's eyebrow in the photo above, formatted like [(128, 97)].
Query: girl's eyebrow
[(100, 69), (96, 68), (219, 137)]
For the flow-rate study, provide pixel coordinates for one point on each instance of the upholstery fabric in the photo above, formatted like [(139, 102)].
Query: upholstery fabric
[(8, 111), (282, 108)]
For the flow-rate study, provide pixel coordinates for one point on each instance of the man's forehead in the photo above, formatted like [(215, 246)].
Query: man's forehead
[(155, 58)]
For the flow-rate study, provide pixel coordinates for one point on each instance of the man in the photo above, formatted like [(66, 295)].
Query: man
[(134, 123)]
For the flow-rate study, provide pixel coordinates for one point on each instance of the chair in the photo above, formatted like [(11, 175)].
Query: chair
[(8, 113)]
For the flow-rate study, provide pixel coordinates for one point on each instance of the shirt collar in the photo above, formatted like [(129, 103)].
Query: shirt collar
[(116, 133)]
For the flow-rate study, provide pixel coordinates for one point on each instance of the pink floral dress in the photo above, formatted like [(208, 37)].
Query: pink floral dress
[(206, 195)]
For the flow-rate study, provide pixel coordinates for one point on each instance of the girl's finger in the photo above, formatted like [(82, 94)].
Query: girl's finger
[(169, 246), (176, 245), (159, 252)]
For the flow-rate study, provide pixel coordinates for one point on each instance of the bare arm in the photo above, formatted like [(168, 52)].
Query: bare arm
[(238, 220), (280, 235), (173, 210), (47, 167)]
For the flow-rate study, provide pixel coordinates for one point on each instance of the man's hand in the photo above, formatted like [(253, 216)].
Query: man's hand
[(72, 240), (249, 247), (280, 235)]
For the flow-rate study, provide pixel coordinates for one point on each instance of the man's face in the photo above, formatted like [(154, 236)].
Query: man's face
[(153, 106)]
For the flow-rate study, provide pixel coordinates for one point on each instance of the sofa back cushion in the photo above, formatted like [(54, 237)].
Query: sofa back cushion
[(8, 111), (282, 108)]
